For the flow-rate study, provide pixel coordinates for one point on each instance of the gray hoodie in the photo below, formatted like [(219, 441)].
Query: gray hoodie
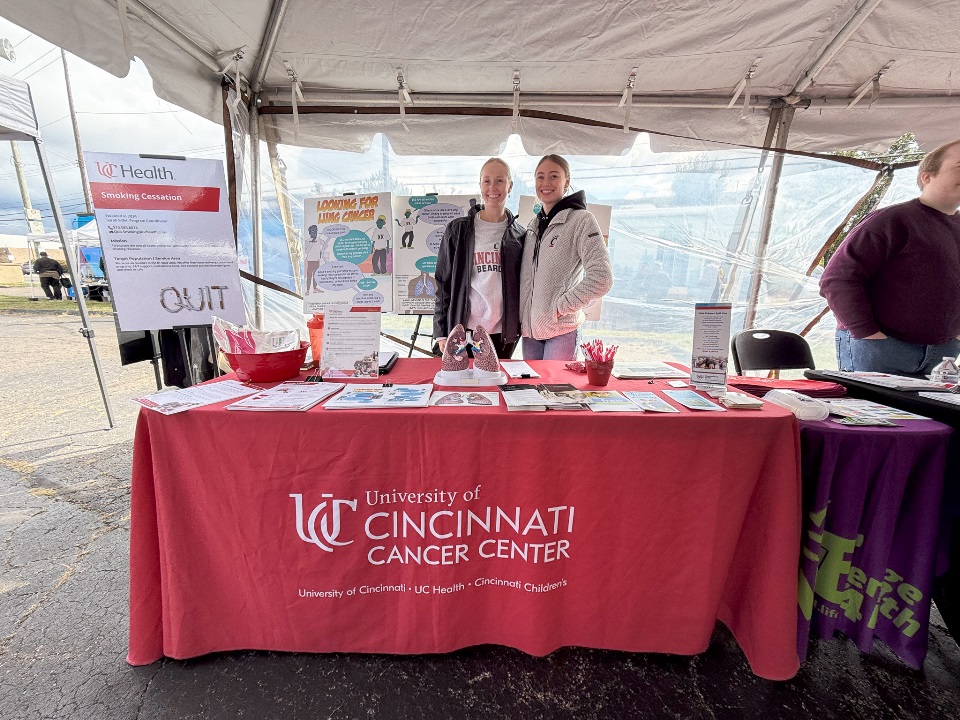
[(563, 272)]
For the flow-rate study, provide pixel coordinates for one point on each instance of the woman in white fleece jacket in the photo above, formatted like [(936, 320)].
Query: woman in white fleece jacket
[(565, 266)]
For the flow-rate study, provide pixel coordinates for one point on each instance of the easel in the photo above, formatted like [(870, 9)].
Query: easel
[(416, 334)]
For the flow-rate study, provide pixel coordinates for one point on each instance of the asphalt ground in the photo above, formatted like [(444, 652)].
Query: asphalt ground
[(64, 522)]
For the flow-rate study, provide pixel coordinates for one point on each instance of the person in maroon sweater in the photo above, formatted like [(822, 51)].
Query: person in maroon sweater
[(894, 284)]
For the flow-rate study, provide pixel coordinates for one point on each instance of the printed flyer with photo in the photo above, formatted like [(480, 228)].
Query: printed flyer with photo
[(419, 224), (351, 343), (347, 252), (167, 240), (711, 343)]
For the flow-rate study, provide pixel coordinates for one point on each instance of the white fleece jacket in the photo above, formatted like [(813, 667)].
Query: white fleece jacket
[(571, 269)]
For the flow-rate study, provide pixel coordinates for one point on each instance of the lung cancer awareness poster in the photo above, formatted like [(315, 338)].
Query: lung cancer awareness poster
[(347, 252), (167, 239), (420, 222), (530, 206)]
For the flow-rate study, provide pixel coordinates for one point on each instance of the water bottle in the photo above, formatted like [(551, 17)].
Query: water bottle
[(946, 372)]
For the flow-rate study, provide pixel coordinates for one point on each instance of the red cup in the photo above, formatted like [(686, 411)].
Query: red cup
[(598, 373)]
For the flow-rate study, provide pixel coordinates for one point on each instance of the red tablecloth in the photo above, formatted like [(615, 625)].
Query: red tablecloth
[(302, 531)]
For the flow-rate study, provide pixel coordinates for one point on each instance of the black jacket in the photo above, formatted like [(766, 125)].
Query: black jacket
[(47, 264), (454, 264)]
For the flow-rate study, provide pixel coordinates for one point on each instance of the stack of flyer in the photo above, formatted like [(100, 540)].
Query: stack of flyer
[(171, 402), (648, 370), (289, 397), (522, 397)]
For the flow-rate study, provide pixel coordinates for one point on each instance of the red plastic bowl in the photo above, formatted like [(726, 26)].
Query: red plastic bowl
[(268, 367)]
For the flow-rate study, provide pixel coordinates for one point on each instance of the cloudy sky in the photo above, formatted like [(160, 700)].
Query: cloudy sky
[(114, 115)]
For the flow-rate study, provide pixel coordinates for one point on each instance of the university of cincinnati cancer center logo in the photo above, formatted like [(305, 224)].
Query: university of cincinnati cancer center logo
[(329, 522)]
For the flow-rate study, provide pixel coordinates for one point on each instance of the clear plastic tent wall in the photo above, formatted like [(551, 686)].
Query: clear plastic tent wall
[(685, 228)]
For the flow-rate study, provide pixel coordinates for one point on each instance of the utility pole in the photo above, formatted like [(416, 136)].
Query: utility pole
[(76, 135)]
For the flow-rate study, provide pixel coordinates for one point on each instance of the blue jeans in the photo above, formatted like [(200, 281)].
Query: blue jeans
[(891, 355), (561, 347)]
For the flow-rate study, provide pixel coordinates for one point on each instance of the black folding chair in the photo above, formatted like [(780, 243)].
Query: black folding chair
[(770, 350)]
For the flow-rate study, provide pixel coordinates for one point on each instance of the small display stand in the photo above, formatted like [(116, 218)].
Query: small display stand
[(470, 377)]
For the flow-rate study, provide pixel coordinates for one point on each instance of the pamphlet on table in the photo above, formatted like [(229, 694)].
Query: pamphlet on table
[(711, 340), (522, 397), (355, 397), (609, 401), (849, 407), (649, 401), (347, 243), (170, 402), (351, 342), (562, 396), (886, 380), (692, 400), (465, 398), (942, 397), (288, 396), (648, 370)]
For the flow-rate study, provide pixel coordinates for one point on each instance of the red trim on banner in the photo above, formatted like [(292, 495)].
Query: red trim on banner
[(122, 196)]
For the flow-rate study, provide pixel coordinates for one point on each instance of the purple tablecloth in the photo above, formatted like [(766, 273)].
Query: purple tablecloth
[(871, 515)]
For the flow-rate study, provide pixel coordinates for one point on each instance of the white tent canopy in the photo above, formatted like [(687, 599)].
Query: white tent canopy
[(680, 67)]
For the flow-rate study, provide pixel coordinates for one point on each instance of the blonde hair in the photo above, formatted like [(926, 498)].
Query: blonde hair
[(933, 161), (502, 162)]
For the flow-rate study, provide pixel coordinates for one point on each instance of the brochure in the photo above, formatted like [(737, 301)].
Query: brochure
[(518, 369), (170, 402), (464, 398), (351, 343), (740, 401), (288, 396), (562, 396), (609, 401), (381, 396), (951, 398), (886, 380), (649, 401), (850, 408), (691, 399), (522, 397), (649, 370)]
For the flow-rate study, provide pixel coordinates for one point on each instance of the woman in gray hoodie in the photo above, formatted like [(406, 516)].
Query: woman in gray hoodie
[(565, 266)]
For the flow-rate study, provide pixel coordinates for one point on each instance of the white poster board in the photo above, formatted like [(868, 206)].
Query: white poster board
[(167, 240), (711, 343), (530, 206), (420, 222), (347, 252)]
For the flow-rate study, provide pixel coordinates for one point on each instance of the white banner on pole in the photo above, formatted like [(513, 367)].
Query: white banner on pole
[(167, 239)]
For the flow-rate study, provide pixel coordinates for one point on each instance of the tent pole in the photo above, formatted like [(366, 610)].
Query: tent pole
[(783, 129), (231, 158), (256, 210), (748, 207), (286, 214), (86, 330)]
